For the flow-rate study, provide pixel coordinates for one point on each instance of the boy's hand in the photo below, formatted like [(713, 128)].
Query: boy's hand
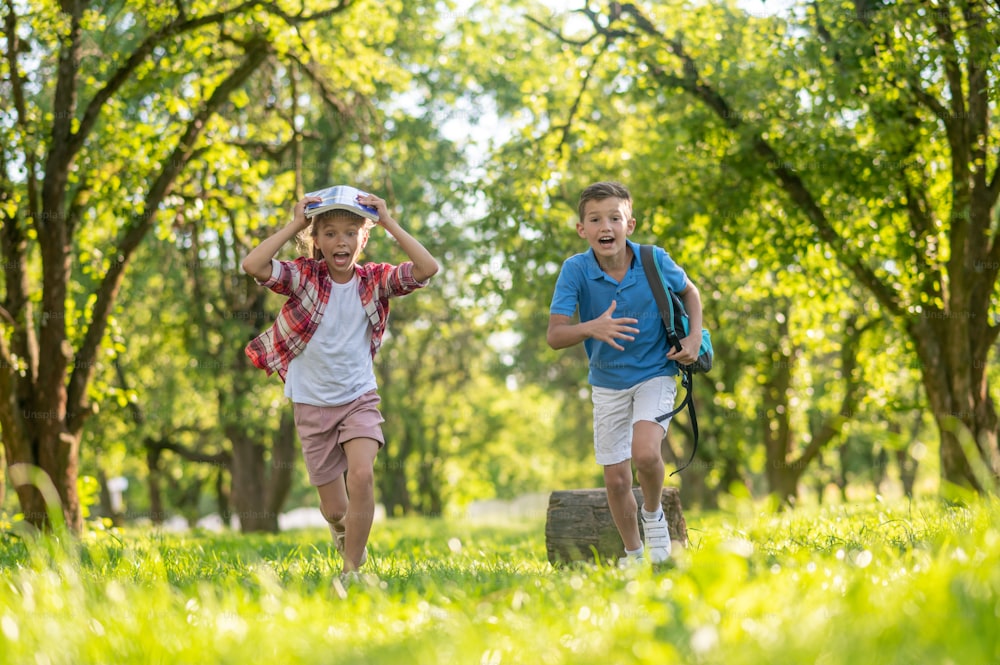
[(299, 219), (690, 346), (608, 329)]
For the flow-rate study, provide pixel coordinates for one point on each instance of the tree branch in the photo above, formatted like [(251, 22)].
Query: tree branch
[(268, 150), (983, 198), (956, 128), (919, 214), (58, 159), (931, 102), (223, 458), (295, 19), (821, 29), (559, 36), (339, 106), (576, 103), (953, 74), (138, 417)]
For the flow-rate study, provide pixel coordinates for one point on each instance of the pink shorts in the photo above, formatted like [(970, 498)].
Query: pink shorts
[(323, 430)]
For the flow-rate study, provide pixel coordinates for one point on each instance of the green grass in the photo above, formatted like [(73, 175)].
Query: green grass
[(870, 583)]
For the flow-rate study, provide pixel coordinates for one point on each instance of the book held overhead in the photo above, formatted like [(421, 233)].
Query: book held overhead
[(340, 197)]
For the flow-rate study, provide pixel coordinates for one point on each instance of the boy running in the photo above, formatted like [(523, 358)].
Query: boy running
[(632, 368)]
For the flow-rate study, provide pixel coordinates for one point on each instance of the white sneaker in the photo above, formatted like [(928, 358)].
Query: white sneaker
[(630, 560), (343, 582), (340, 542), (657, 538)]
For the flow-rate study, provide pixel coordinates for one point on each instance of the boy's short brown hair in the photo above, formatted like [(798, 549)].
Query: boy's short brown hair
[(604, 190)]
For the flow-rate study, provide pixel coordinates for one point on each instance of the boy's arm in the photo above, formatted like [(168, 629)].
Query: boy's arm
[(691, 344), (424, 265), (563, 333), (258, 262)]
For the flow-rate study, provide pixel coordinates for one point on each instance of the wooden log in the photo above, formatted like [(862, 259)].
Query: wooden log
[(578, 523)]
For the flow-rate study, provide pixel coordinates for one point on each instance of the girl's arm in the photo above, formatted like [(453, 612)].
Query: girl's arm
[(258, 262), (424, 265)]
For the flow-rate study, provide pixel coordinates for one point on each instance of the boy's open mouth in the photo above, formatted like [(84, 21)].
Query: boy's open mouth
[(606, 241)]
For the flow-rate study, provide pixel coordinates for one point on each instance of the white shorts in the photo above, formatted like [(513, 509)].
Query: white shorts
[(616, 411)]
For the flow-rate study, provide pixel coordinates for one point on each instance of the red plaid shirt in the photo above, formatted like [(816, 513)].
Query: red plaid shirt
[(307, 282)]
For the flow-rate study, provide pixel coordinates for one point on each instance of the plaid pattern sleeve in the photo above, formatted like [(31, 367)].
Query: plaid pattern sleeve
[(286, 276), (398, 280), (307, 285), (379, 283)]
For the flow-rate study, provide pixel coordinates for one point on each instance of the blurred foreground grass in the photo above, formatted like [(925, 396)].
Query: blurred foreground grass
[(874, 583)]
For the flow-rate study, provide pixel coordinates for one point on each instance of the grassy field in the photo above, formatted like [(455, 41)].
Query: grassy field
[(875, 583)]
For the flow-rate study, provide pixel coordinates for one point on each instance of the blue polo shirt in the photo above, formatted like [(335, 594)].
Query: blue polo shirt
[(582, 286)]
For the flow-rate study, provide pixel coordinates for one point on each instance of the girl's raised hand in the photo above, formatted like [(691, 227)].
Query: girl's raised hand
[(299, 219), (379, 204)]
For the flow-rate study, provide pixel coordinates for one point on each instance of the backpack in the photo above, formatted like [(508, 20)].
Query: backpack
[(675, 320)]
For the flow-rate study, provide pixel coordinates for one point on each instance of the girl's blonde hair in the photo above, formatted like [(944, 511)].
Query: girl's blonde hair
[(307, 237)]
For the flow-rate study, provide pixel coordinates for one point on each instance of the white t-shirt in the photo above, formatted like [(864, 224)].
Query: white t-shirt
[(335, 368)]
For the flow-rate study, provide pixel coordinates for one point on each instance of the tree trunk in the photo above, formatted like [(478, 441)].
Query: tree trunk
[(221, 492), (907, 471), (156, 513), (249, 493), (283, 452), (843, 457), (188, 496), (58, 461), (694, 491), (428, 476), (579, 524), (391, 478), (782, 478), (107, 503), (390, 465), (906, 462), (784, 473), (257, 492), (959, 397), (34, 413)]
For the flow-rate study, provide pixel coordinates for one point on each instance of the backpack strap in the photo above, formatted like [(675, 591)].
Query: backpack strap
[(663, 303)]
